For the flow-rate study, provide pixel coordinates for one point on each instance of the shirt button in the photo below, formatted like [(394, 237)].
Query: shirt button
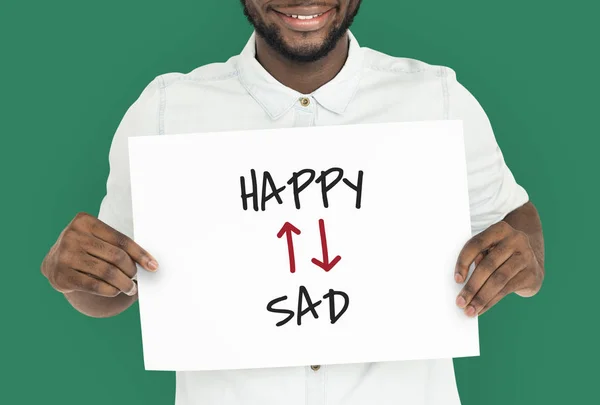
[(315, 368), (304, 102)]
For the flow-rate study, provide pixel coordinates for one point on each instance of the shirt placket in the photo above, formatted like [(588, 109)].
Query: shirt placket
[(304, 112), (304, 116), (315, 385)]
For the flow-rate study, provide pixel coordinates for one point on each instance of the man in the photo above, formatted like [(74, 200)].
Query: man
[(302, 67)]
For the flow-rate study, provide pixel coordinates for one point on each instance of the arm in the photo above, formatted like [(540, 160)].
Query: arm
[(506, 252), (93, 262)]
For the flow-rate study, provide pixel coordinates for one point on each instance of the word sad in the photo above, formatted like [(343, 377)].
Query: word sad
[(328, 180), (311, 307)]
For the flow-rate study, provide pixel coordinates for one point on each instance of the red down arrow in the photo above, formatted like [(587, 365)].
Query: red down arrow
[(325, 264)]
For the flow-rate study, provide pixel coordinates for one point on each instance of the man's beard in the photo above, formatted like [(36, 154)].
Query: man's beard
[(302, 54)]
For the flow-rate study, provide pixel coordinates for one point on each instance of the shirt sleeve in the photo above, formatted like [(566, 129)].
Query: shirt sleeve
[(493, 190), (141, 119)]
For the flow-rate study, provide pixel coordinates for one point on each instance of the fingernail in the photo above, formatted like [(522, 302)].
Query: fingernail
[(133, 290), (458, 278), (460, 301), (470, 311), (152, 265)]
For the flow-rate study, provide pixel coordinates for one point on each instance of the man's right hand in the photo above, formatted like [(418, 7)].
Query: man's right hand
[(91, 257)]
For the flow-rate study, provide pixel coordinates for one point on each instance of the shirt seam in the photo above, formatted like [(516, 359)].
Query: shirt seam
[(186, 77), (325, 384), (397, 70), (445, 92), (306, 382), (161, 106)]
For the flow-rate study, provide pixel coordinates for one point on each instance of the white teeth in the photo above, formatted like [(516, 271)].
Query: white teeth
[(304, 17)]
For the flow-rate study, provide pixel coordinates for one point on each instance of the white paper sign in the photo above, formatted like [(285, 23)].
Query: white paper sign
[(376, 216)]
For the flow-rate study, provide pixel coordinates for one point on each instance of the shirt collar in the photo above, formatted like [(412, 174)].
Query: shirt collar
[(277, 98)]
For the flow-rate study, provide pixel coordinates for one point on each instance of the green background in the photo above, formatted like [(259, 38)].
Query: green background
[(70, 69)]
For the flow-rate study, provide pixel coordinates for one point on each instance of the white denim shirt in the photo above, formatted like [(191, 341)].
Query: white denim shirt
[(371, 88)]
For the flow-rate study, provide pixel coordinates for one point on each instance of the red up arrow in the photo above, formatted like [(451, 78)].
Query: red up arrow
[(325, 264), (287, 229)]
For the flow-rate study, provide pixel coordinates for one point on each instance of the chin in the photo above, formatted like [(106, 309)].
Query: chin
[(304, 42), (300, 42)]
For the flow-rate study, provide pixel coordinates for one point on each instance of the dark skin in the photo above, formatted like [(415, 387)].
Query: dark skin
[(93, 264), (304, 76), (509, 258)]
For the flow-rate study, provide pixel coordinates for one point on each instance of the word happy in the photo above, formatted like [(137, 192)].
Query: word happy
[(299, 182)]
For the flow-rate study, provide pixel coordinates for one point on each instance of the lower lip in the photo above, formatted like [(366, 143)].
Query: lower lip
[(312, 24)]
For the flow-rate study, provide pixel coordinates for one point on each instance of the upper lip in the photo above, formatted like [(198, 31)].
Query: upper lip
[(302, 10)]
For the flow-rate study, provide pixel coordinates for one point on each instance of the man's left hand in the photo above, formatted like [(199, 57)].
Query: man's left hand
[(504, 263)]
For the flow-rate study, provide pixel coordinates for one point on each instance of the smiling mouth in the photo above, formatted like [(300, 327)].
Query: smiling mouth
[(302, 17), (305, 20)]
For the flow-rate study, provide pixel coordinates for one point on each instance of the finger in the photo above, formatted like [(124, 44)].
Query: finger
[(477, 245), (102, 231), (492, 302), (495, 284), (459, 278), (510, 287), (73, 280), (478, 259), (481, 255), (109, 253), (106, 272), (488, 265)]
